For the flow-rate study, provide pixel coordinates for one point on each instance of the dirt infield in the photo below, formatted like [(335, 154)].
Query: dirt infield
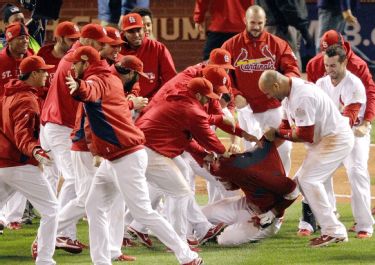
[(341, 182)]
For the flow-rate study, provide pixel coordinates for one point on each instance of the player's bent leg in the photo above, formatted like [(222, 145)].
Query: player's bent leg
[(134, 189)]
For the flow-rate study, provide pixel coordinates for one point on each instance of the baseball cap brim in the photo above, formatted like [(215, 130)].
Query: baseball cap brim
[(221, 89), (132, 27), (105, 39), (224, 66), (47, 67), (73, 36), (116, 42), (212, 95), (143, 74)]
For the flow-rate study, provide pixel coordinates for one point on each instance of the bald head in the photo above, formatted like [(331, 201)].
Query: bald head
[(274, 84), (255, 20)]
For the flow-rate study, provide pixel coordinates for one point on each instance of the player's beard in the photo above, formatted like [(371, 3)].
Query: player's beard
[(129, 85)]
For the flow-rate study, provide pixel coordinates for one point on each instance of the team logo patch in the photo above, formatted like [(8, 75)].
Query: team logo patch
[(76, 29), (9, 34), (300, 112), (132, 20), (226, 58), (324, 44), (117, 34), (105, 31), (256, 64), (84, 57), (224, 80)]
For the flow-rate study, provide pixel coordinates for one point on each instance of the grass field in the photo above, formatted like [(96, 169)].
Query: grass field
[(284, 248)]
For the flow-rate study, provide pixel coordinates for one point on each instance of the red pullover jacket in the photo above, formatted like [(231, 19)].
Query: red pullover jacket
[(251, 58), (158, 65), (109, 129), (226, 15), (19, 133), (315, 70), (170, 127), (59, 107), (9, 68)]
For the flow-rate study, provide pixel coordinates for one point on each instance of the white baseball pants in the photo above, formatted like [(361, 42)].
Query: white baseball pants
[(14, 208), (321, 160), (235, 213), (126, 175), (70, 214), (28, 180)]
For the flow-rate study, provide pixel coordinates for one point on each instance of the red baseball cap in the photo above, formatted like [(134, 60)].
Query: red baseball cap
[(95, 32), (221, 57), (132, 21), (115, 35), (15, 30), (218, 77), (84, 53), (133, 63), (202, 86), (329, 38), (34, 63), (67, 29)]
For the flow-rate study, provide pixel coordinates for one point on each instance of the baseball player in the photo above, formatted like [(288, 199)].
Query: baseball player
[(348, 93), (253, 51), (315, 69), (158, 62), (111, 51), (312, 117), (17, 37), (58, 119), (268, 192), (21, 153), (115, 138), (146, 15)]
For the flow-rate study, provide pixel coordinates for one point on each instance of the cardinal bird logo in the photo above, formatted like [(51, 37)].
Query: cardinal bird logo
[(256, 64)]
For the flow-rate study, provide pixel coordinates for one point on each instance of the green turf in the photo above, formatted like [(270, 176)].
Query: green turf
[(284, 248)]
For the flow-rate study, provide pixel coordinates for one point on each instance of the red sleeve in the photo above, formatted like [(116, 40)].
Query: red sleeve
[(228, 129), (366, 78), (25, 116), (351, 111), (89, 90), (309, 72), (200, 9), (203, 134), (166, 64), (288, 62), (305, 133), (284, 124), (196, 151), (215, 119)]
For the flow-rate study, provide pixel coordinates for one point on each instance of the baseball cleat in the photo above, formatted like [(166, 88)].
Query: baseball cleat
[(14, 226), (67, 244), (197, 261), (352, 229), (363, 235), (124, 257), (212, 233), (127, 242), (34, 249), (192, 242), (144, 238), (325, 240), (304, 232)]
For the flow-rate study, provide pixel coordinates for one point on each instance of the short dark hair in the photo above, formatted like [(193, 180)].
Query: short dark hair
[(142, 11), (336, 49), (24, 77)]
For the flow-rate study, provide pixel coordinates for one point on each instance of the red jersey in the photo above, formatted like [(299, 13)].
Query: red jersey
[(109, 128), (260, 175), (9, 67), (59, 107), (251, 57), (46, 53), (157, 64), (170, 127), (226, 15), (315, 70), (19, 133)]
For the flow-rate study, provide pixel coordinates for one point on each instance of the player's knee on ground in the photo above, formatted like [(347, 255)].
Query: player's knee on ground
[(292, 195), (237, 234)]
